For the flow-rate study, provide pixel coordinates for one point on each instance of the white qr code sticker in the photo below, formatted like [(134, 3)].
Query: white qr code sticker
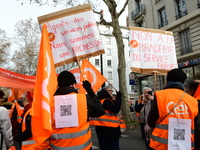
[(66, 111), (179, 134)]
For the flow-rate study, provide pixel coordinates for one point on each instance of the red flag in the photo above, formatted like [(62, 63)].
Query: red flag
[(45, 86), (92, 75)]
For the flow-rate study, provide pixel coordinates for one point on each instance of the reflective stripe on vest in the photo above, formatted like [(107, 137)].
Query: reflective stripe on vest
[(70, 135), (163, 140), (28, 142), (77, 147), (109, 119)]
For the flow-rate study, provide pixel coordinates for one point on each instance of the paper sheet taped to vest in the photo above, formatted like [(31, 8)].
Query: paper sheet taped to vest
[(179, 134), (66, 111)]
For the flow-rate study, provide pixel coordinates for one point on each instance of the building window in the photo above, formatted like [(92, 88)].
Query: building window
[(108, 40), (198, 3), (186, 46), (109, 51), (107, 31), (162, 18), (138, 5), (109, 74), (96, 62), (181, 10), (64, 67), (109, 63)]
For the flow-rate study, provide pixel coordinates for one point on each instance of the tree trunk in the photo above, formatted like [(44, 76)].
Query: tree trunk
[(122, 71)]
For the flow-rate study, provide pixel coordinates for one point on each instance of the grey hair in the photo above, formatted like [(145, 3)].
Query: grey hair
[(107, 87), (146, 88)]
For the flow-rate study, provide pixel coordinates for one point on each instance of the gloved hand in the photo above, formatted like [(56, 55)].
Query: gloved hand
[(119, 94), (88, 88)]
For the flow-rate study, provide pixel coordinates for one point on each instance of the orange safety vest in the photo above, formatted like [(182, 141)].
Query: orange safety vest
[(122, 123), (166, 99), (109, 119), (30, 144), (77, 138), (20, 111)]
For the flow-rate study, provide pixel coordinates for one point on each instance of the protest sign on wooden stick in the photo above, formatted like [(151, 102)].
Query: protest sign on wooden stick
[(152, 50), (73, 34)]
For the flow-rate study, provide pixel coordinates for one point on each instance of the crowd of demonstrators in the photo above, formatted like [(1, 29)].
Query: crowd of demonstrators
[(172, 115), (143, 109), (166, 117), (108, 126)]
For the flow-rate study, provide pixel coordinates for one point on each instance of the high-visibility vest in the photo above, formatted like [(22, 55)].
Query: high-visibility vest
[(122, 123), (30, 144), (166, 99), (72, 138), (19, 109), (109, 119)]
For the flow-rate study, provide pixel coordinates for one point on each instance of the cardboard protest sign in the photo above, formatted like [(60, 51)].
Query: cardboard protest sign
[(73, 34), (152, 50)]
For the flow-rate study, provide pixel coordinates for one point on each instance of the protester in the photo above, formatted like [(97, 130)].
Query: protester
[(108, 132), (192, 89), (24, 138), (5, 126), (143, 108), (78, 135), (172, 115)]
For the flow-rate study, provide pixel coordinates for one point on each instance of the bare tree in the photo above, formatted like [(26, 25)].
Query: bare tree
[(114, 14), (27, 40), (4, 48)]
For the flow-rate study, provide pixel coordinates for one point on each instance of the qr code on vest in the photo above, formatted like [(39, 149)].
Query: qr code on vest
[(179, 134), (65, 110)]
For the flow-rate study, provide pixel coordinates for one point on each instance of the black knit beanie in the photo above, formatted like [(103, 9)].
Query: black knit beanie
[(176, 75), (66, 78)]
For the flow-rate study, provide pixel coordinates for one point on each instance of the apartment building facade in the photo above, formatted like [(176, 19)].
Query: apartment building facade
[(182, 17), (107, 63)]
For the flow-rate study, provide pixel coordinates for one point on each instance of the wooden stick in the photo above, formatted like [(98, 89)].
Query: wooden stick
[(80, 69), (155, 85), (111, 85)]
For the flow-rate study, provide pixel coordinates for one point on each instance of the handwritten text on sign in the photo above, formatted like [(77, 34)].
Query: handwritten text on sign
[(74, 35), (152, 50)]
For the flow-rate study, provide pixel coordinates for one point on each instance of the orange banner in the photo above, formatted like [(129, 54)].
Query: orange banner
[(16, 80), (44, 89), (92, 75)]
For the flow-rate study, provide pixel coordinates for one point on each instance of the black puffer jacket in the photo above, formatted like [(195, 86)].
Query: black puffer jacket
[(112, 107)]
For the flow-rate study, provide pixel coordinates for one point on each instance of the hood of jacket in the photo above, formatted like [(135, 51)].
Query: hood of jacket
[(102, 94)]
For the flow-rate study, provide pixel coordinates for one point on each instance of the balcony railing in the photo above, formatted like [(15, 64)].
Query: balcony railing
[(138, 11), (162, 24), (181, 14), (186, 50)]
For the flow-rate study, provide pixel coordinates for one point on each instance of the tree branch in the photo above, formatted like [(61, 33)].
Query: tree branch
[(102, 20), (122, 10)]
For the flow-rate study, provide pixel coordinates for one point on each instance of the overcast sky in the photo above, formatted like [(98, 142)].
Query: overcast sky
[(12, 11)]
